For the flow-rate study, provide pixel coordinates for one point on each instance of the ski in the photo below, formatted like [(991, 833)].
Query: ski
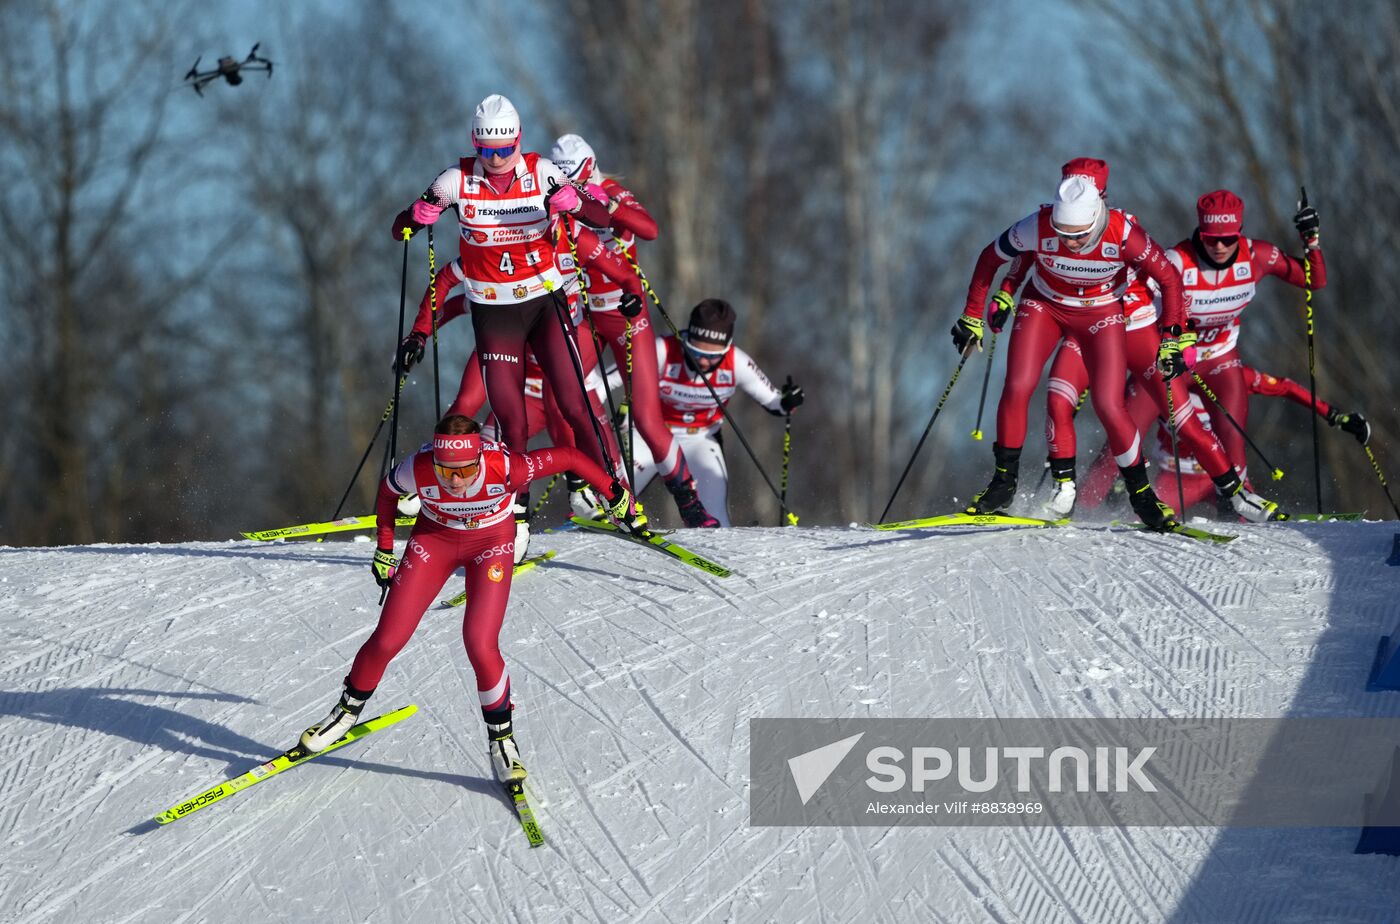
[(521, 568), (526, 815), (998, 519), (289, 758), (968, 519), (1323, 517), (1191, 532), (661, 544), (320, 529)]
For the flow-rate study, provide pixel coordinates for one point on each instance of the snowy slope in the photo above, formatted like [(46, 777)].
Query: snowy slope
[(132, 676)]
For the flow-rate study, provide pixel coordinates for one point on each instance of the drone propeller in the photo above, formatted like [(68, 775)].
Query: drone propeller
[(194, 71)]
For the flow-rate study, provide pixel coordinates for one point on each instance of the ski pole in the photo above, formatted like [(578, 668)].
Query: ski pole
[(403, 294), (724, 412), (627, 400), (986, 378), (1312, 360), (967, 351), (1384, 487), (1205, 389), (1176, 452), (388, 410), (544, 495), (432, 288), (784, 517), (561, 312)]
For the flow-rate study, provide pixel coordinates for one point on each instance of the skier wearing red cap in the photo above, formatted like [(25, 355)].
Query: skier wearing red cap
[(1082, 252), (1195, 483), (705, 352), (1220, 269), (1145, 398), (506, 200), (612, 304), (466, 485)]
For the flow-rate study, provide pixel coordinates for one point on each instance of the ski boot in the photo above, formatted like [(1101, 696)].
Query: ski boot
[(583, 501), (1060, 506), (1157, 515), (522, 526), (693, 512), (343, 717), (504, 754), (1001, 491), (1246, 504), (1352, 423)]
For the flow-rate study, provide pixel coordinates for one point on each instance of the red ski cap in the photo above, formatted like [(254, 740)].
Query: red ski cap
[(453, 450), (1219, 213), (1091, 168)]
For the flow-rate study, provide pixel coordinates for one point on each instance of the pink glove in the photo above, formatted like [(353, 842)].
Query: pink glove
[(425, 213), (565, 199), (598, 192), (1188, 356)]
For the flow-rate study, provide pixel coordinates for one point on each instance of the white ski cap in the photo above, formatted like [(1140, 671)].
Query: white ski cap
[(495, 121), (1077, 202), (575, 157)]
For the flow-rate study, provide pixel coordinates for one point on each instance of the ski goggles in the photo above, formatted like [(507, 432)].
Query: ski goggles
[(1072, 235), (705, 354), (461, 471), (504, 151), (1220, 240)]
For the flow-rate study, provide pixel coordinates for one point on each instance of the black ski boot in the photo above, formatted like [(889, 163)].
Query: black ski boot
[(1157, 515), (693, 512), (1001, 491)]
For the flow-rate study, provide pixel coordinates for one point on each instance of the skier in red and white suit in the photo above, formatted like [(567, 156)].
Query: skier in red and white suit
[(1195, 482), (467, 487), (704, 352), (1145, 399), (1082, 251), (1220, 269), (542, 410), (505, 210), (611, 309)]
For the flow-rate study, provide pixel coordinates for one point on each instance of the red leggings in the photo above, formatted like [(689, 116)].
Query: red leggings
[(433, 553), (502, 333), (645, 384), (1146, 399), (1225, 376), (1040, 325)]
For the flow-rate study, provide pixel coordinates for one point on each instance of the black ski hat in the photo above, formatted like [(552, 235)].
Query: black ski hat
[(712, 320)]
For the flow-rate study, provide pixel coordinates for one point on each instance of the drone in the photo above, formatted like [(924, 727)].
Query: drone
[(229, 68)]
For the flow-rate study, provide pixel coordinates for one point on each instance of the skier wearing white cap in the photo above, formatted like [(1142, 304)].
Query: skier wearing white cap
[(611, 309), (1082, 250), (505, 200), (1145, 397)]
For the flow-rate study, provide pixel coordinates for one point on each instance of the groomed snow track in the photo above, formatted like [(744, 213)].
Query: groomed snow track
[(131, 676)]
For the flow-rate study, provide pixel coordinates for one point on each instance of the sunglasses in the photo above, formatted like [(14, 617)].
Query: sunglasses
[(705, 354), (505, 151), (463, 471), (1223, 240), (1074, 235)]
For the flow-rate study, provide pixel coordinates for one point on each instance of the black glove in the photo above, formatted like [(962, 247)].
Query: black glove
[(967, 330), (383, 565), (792, 396), (1170, 360), (1306, 220), (631, 306), (410, 351), (1005, 304)]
